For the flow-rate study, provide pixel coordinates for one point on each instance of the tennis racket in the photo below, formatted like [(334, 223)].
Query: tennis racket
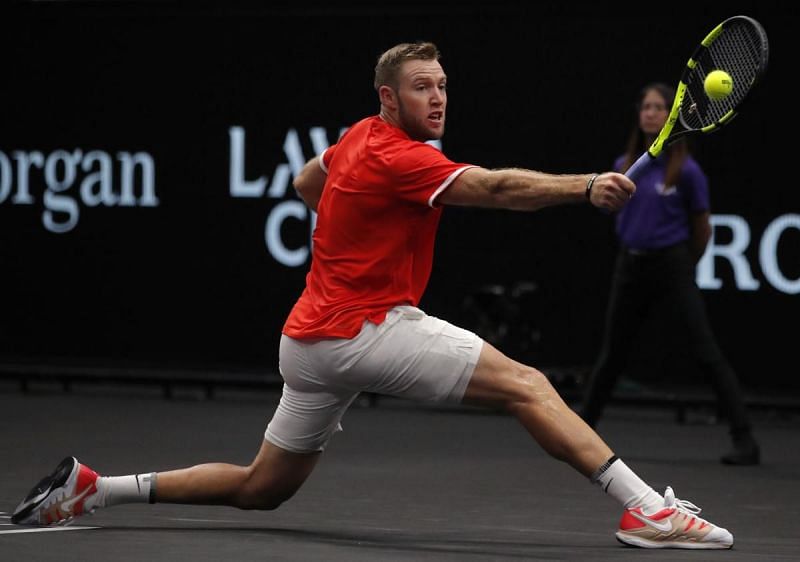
[(737, 46)]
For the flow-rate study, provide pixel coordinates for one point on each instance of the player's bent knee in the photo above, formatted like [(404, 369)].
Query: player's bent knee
[(532, 384), (532, 387), (266, 491), (262, 504), (510, 387), (264, 499)]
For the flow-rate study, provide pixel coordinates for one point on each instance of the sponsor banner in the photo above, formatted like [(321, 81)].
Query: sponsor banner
[(147, 213)]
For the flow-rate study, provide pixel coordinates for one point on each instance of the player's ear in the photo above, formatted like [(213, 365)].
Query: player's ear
[(388, 97)]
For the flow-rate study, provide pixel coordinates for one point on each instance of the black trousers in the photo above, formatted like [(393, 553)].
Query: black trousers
[(641, 283)]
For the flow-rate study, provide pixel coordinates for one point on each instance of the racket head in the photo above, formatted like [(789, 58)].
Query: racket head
[(738, 46)]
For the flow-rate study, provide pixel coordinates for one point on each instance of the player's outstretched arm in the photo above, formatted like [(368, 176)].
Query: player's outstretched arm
[(529, 190)]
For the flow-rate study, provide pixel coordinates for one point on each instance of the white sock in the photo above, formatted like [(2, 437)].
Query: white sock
[(115, 490), (622, 484)]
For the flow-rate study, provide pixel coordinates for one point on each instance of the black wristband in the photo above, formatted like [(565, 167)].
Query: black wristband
[(589, 185)]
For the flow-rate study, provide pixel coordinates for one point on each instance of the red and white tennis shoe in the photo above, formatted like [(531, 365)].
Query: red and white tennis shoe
[(676, 525), (59, 497)]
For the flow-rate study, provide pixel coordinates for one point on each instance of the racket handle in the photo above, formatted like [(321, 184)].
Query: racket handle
[(637, 167)]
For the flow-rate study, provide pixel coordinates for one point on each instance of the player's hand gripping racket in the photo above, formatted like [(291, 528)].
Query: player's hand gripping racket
[(738, 46)]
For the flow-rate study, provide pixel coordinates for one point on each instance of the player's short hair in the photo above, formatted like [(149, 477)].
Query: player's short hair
[(389, 62)]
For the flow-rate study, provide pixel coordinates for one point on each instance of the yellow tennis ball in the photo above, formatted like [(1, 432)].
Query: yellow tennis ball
[(718, 84)]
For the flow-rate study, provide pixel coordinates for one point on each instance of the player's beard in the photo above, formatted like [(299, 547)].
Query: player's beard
[(415, 127)]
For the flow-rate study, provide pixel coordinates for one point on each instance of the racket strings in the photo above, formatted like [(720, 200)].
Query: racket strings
[(738, 50)]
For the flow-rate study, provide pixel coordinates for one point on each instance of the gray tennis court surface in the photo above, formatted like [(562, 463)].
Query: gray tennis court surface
[(402, 482)]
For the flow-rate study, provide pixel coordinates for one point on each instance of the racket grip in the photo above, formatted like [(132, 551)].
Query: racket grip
[(636, 168)]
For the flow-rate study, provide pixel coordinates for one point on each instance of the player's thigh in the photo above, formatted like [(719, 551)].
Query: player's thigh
[(500, 381), (418, 357), (304, 422), (281, 472)]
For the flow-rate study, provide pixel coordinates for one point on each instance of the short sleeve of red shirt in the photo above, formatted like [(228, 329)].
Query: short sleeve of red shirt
[(422, 172), (325, 158)]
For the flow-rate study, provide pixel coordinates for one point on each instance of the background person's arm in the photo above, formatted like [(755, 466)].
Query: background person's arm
[(700, 228)]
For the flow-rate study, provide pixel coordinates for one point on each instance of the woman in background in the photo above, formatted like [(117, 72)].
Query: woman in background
[(663, 232)]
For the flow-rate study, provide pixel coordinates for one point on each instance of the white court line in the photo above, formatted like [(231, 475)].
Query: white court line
[(37, 529), (195, 520), (46, 530)]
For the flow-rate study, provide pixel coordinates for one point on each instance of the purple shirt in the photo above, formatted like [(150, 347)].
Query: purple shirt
[(657, 217)]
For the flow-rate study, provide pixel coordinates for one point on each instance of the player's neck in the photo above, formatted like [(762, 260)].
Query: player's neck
[(389, 118)]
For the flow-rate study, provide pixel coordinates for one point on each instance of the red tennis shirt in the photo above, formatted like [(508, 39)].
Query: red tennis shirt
[(374, 237)]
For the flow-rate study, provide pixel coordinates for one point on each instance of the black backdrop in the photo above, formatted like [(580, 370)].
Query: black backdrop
[(183, 276)]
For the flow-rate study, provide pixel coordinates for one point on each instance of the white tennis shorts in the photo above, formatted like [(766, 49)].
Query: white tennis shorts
[(409, 355)]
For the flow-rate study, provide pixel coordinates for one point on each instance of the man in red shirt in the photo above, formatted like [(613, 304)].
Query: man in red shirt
[(379, 193)]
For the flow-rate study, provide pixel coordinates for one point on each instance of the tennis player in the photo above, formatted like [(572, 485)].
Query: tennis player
[(379, 194)]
